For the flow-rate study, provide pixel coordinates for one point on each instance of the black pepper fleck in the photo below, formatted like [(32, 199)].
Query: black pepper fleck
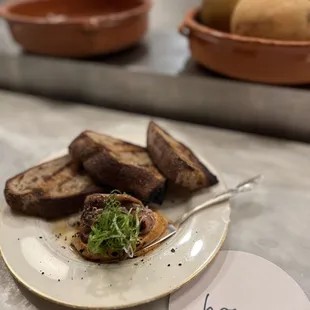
[(58, 280), (82, 278), (169, 265), (42, 272), (173, 250), (180, 264), (18, 239)]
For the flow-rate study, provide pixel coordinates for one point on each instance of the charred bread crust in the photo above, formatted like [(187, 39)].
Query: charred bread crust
[(144, 182), (176, 161), (44, 207), (83, 147), (37, 202), (134, 180)]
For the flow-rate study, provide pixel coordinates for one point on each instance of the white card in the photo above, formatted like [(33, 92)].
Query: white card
[(240, 281)]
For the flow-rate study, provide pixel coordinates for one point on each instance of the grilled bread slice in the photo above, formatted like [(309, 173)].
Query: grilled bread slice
[(176, 161), (121, 165), (50, 190)]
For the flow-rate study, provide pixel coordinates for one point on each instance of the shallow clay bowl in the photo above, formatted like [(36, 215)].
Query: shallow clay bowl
[(76, 28), (246, 58)]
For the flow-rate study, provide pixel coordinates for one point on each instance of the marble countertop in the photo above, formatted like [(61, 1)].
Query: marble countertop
[(272, 222)]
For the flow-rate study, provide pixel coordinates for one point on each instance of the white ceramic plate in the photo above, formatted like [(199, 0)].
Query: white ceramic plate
[(47, 265)]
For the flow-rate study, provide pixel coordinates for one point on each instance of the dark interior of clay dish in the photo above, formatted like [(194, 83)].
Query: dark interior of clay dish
[(197, 18), (72, 8)]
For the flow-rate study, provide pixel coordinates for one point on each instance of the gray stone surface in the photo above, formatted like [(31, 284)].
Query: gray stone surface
[(272, 222), (247, 107)]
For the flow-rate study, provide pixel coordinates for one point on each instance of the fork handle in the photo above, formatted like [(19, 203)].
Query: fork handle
[(213, 201)]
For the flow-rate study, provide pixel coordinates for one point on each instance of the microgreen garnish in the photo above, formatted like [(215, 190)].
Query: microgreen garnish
[(116, 230)]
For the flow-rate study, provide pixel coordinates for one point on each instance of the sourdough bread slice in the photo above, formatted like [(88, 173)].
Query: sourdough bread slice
[(176, 161), (50, 190), (119, 164)]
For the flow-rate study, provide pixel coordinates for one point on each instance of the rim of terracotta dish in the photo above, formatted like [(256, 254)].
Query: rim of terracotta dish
[(192, 24), (6, 13)]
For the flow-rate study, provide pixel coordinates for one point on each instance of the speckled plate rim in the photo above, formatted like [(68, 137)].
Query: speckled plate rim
[(168, 292), (48, 298)]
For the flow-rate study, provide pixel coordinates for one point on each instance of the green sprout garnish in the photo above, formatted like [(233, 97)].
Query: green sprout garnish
[(116, 230)]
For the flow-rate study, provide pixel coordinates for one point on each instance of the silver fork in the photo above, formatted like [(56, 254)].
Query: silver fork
[(242, 187)]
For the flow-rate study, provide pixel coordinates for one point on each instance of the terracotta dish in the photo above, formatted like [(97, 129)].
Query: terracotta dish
[(76, 28), (251, 59)]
